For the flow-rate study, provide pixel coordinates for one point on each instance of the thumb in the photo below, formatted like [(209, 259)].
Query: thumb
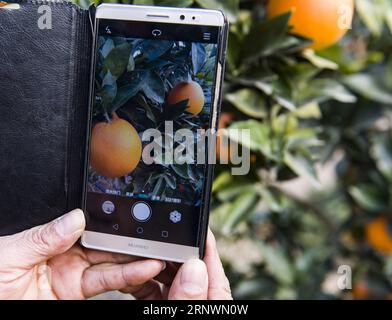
[(34, 246), (191, 282)]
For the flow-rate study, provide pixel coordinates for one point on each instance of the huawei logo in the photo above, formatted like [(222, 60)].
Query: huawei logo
[(137, 246)]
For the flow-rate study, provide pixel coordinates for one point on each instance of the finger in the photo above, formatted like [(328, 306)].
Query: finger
[(148, 291), (167, 276), (165, 292), (191, 282), (43, 276), (34, 246), (108, 277), (219, 286), (98, 257)]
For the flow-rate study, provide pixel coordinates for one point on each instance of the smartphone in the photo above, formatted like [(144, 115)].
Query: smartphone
[(158, 71)]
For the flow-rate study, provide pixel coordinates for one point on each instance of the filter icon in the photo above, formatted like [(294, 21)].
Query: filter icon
[(175, 216)]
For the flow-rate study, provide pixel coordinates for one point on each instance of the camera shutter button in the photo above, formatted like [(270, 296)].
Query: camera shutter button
[(141, 211)]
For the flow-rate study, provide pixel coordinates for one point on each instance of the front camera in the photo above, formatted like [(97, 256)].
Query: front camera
[(182, 17)]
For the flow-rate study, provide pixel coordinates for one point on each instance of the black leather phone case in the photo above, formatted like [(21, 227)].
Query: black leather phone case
[(44, 97)]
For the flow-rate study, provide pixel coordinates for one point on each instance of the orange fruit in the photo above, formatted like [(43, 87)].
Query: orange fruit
[(378, 235), (323, 21), (191, 91), (116, 148), (361, 291), (223, 151)]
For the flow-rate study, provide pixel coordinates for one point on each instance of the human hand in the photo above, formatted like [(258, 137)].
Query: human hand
[(194, 280), (45, 263)]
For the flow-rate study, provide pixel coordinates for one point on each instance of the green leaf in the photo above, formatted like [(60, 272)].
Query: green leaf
[(320, 90), (233, 189), (259, 78), (181, 170), (318, 61), (308, 111), (152, 49), (233, 52), (173, 3), (144, 2), (369, 197), (107, 47), (278, 263), (218, 216), (260, 137), (243, 206), (282, 94), (85, 4), (221, 181), (125, 93), (302, 166), (108, 94), (230, 7), (388, 14), (371, 15), (109, 80), (154, 87), (381, 151), (171, 181), (265, 35), (117, 60), (270, 85), (272, 198), (198, 56), (141, 101), (248, 101), (191, 173), (159, 187), (288, 44), (367, 86), (131, 64), (172, 112), (300, 138), (388, 75)]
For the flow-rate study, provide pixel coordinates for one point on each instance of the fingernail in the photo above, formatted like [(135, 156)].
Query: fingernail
[(194, 277), (163, 265), (70, 223)]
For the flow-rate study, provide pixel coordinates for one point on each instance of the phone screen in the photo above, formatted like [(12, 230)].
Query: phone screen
[(158, 78)]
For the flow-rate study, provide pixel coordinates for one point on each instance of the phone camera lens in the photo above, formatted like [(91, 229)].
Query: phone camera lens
[(182, 17), (193, 18)]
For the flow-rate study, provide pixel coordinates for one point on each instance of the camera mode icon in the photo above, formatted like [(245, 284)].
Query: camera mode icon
[(175, 216)]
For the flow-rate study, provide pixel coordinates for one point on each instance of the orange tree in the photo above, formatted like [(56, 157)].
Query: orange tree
[(319, 192)]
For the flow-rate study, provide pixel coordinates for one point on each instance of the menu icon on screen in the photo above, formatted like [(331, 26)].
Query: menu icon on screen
[(207, 36)]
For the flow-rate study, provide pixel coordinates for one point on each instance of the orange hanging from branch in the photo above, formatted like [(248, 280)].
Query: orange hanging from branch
[(379, 235), (323, 21), (116, 148)]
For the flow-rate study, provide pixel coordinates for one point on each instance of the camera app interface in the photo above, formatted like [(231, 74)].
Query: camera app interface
[(157, 79)]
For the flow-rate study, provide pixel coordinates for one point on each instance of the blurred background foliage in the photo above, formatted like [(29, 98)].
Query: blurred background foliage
[(319, 194)]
